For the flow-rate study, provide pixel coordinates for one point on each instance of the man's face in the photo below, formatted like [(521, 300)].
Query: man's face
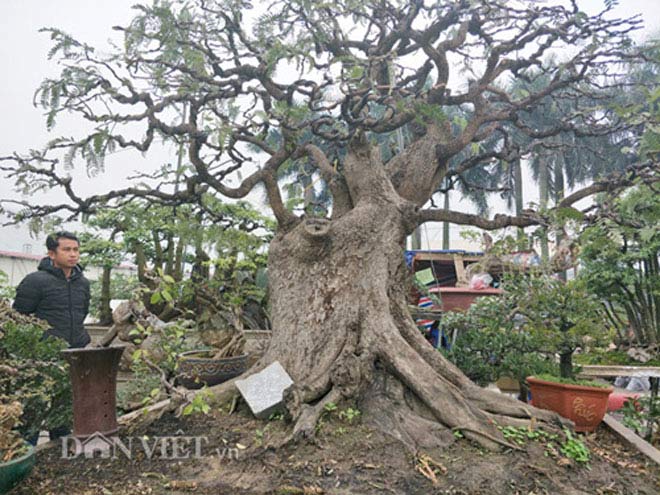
[(66, 255)]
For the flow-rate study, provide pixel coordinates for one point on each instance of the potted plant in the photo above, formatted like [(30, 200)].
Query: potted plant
[(34, 392), (492, 346), (16, 454), (36, 376), (228, 305), (223, 359), (563, 316)]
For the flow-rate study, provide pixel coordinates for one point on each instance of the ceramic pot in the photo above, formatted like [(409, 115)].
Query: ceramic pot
[(197, 369), (585, 406), (461, 298), (12, 472)]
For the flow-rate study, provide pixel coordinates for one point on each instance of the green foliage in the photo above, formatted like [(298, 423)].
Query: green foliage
[(169, 342), (40, 382), (491, 344), (350, 414), (620, 254), (6, 292), (610, 357), (137, 391), (160, 359), (96, 251), (570, 446), (570, 381), (199, 404), (574, 448), (122, 286), (521, 435), (518, 334), (562, 316), (642, 415)]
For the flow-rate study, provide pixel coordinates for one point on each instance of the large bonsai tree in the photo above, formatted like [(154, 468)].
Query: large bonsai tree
[(329, 86)]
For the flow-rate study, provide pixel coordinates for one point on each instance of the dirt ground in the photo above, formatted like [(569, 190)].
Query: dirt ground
[(348, 457)]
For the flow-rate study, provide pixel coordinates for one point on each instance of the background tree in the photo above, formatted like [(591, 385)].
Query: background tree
[(338, 284), (106, 254)]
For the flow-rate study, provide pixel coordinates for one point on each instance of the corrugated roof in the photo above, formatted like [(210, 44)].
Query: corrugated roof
[(25, 256)]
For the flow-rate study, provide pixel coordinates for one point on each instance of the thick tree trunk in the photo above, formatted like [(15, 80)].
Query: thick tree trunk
[(341, 329)]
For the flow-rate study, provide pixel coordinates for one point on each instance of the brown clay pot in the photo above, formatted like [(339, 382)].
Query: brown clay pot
[(461, 298), (585, 406)]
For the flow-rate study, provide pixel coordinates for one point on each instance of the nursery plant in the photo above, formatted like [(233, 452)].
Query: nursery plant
[(34, 375), (620, 253), (491, 342), (562, 316)]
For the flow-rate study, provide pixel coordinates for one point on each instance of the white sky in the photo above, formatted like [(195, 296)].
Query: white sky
[(23, 57)]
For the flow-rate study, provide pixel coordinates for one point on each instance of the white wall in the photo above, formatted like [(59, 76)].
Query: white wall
[(17, 268)]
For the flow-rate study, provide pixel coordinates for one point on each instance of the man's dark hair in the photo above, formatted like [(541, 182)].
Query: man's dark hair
[(53, 240)]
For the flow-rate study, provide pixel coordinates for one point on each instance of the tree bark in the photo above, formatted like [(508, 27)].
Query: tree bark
[(169, 255), (178, 259), (518, 193), (141, 262), (341, 327), (559, 195), (566, 365), (544, 179), (105, 311), (158, 250)]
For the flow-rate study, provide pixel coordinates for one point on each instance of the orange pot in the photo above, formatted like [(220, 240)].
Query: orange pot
[(585, 406)]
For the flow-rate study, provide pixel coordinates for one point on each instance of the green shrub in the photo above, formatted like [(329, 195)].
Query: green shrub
[(560, 316), (36, 376), (491, 344)]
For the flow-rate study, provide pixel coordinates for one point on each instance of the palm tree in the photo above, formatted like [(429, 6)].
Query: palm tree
[(564, 160)]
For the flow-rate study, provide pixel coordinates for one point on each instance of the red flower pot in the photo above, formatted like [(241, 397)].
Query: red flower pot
[(461, 298), (585, 406)]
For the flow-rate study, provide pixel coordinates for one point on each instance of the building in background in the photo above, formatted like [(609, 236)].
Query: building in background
[(18, 265)]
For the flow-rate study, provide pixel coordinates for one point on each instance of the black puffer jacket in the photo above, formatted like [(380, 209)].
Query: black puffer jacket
[(63, 303)]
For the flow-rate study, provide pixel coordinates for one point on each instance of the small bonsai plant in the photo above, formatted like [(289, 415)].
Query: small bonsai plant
[(562, 316), (491, 344)]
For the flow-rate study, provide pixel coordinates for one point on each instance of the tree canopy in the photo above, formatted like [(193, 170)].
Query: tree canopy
[(337, 74)]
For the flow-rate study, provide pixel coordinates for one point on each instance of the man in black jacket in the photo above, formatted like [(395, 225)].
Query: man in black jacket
[(58, 292)]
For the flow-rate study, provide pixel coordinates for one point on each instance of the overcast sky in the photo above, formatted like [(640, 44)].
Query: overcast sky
[(23, 58)]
